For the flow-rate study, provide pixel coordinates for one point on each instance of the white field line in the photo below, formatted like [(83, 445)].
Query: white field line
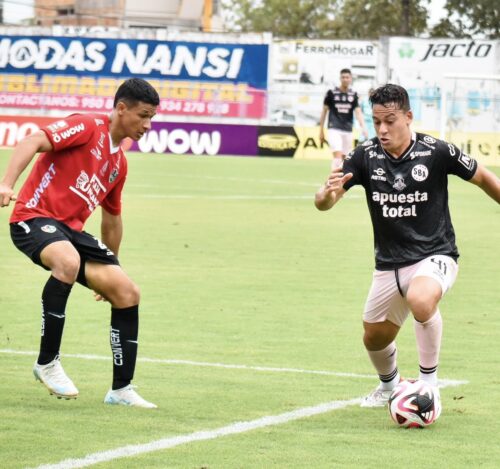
[(310, 196), (178, 176), (232, 429), (224, 197), (234, 197), (442, 382)]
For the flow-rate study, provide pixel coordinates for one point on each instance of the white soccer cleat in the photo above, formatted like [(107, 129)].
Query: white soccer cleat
[(377, 398), (55, 380), (127, 396)]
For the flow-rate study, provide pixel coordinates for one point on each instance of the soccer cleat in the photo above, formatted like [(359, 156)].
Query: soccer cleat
[(127, 396), (55, 380), (377, 398)]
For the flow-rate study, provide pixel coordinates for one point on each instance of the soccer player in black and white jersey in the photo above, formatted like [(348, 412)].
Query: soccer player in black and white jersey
[(341, 104), (404, 175)]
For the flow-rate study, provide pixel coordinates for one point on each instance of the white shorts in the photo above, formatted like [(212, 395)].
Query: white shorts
[(385, 300), (340, 140)]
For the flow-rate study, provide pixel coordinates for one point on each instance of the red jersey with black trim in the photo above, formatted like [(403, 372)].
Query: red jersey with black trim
[(82, 172)]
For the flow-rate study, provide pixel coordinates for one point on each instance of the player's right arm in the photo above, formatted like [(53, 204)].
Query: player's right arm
[(22, 155), (332, 191)]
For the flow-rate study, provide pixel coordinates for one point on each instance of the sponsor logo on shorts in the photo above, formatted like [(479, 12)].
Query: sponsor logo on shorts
[(49, 228), (24, 226), (419, 172), (103, 247)]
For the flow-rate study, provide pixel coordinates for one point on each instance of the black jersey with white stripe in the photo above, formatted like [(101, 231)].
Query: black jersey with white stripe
[(408, 197), (341, 105)]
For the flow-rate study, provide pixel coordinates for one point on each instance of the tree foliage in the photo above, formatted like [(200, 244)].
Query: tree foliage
[(370, 20), (325, 18), (291, 18), (470, 19), (352, 19)]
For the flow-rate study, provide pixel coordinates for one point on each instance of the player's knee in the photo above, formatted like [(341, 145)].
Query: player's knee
[(128, 295), (421, 305), (374, 340), (66, 268), (135, 294), (379, 335)]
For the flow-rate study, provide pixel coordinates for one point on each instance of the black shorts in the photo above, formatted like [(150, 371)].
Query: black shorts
[(31, 236)]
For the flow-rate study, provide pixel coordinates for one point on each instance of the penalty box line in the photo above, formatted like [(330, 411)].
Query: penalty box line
[(204, 435), (442, 382)]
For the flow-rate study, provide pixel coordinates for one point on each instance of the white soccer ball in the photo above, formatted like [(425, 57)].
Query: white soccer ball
[(414, 403)]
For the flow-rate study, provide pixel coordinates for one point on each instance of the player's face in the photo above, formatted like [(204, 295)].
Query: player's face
[(393, 127), (345, 80), (136, 120)]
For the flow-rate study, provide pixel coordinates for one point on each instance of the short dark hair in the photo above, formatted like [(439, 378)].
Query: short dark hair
[(346, 70), (133, 90), (390, 93)]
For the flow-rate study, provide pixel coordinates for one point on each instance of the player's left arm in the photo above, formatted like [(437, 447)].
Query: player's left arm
[(359, 116), (111, 230), (488, 181)]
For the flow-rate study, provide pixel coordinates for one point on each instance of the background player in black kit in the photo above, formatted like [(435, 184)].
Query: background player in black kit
[(341, 104), (405, 179)]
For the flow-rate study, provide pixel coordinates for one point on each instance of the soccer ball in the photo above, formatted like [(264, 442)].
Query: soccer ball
[(414, 403)]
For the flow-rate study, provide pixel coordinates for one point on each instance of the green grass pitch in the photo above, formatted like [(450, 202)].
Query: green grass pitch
[(237, 267)]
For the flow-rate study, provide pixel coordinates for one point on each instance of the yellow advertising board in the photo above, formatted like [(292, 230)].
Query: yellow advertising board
[(482, 146), (485, 147)]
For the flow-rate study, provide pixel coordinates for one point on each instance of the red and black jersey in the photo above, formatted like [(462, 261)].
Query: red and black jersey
[(82, 172)]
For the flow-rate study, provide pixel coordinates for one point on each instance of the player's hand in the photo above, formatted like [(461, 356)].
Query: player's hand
[(336, 180), (99, 297), (330, 192), (6, 195), (321, 136)]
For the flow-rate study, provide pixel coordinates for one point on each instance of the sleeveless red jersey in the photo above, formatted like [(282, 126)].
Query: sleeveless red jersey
[(82, 172)]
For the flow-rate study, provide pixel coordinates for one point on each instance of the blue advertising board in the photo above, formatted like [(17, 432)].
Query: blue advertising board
[(151, 59)]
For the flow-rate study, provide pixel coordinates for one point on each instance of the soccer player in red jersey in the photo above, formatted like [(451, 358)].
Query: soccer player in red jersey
[(81, 167)]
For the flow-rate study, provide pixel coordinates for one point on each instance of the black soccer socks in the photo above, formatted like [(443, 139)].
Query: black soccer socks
[(54, 298), (123, 340)]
